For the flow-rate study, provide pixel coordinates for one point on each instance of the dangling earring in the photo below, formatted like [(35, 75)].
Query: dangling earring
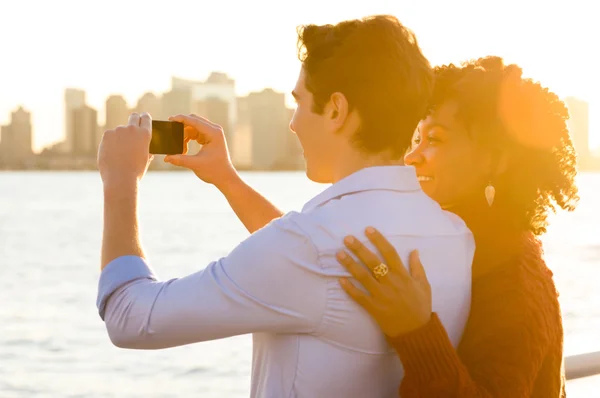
[(490, 193)]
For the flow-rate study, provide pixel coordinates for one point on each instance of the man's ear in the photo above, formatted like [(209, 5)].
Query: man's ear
[(338, 109)]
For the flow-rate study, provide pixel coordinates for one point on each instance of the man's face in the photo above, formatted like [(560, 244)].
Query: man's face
[(316, 134)]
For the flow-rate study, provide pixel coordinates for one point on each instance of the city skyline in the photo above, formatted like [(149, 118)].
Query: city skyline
[(550, 42), (256, 126), (78, 98)]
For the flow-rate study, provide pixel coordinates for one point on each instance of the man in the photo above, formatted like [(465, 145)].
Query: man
[(362, 89)]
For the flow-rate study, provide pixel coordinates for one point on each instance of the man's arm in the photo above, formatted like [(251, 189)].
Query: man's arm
[(272, 282), (253, 209), (121, 230), (212, 164), (123, 159)]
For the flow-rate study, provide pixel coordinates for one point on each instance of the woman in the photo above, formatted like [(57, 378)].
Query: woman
[(496, 151)]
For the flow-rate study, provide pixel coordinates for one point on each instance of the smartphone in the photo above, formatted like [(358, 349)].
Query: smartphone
[(167, 138)]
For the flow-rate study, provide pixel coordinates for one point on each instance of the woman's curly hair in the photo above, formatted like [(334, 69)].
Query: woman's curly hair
[(523, 121)]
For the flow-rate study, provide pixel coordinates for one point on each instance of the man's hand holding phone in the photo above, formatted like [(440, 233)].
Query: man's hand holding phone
[(212, 164)]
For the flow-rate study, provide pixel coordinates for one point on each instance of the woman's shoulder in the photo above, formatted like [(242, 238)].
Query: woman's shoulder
[(522, 264), (521, 284), (529, 266)]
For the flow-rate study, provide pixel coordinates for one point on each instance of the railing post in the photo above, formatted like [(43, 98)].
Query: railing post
[(582, 365)]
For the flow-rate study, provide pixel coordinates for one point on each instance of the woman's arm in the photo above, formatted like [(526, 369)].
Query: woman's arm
[(503, 355), (509, 358)]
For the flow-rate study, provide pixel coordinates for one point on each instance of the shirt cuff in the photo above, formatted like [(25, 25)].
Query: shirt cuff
[(119, 272)]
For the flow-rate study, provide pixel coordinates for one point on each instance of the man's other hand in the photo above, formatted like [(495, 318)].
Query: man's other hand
[(124, 153)]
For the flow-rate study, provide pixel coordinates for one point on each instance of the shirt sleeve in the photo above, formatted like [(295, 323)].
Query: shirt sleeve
[(271, 282)]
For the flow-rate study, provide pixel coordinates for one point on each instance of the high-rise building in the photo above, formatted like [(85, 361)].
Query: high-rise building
[(5, 143), (211, 99), (177, 101), (85, 125), (117, 112), (152, 104), (241, 153), (74, 99), (217, 86), (269, 121), (578, 124), (214, 109), (295, 151), (217, 111), (16, 138)]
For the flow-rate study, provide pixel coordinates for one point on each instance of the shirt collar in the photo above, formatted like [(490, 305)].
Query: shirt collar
[(389, 178)]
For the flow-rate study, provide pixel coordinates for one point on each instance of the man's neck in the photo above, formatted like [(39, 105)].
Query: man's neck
[(358, 161)]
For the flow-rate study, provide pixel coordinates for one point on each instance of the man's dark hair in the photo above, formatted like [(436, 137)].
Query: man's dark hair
[(378, 66), (518, 117)]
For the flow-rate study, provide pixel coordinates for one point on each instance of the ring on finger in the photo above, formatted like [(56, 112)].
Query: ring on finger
[(380, 270)]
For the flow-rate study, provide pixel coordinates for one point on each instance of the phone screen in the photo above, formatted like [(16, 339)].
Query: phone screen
[(167, 138)]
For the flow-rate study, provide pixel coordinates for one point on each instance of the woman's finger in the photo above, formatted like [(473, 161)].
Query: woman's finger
[(359, 272), (388, 252), (363, 299), (365, 255), (417, 271)]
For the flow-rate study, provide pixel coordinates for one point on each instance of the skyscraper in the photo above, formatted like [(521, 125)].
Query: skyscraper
[(295, 151), (152, 104), (16, 138), (74, 99), (241, 151), (271, 138), (117, 112), (85, 125), (177, 101), (216, 86), (214, 109), (217, 111), (578, 124)]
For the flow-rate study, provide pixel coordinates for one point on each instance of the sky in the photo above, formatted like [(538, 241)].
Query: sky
[(130, 47)]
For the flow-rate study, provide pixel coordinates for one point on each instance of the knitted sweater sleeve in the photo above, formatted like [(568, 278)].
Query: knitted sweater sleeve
[(500, 358)]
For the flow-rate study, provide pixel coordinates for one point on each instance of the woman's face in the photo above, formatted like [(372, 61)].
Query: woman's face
[(450, 165)]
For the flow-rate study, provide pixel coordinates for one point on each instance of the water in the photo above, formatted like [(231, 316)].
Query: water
[(53, 344)]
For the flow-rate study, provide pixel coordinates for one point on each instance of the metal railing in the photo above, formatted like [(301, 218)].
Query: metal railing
[(582, 365)]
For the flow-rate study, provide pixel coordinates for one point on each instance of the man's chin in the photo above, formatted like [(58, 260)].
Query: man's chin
[(313, 179), (317, 175)]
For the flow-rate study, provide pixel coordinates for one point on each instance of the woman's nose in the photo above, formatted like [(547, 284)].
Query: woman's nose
[(414, 156)]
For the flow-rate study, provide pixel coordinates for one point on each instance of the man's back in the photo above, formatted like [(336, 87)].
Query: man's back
[(346, 354), (281, 284)]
